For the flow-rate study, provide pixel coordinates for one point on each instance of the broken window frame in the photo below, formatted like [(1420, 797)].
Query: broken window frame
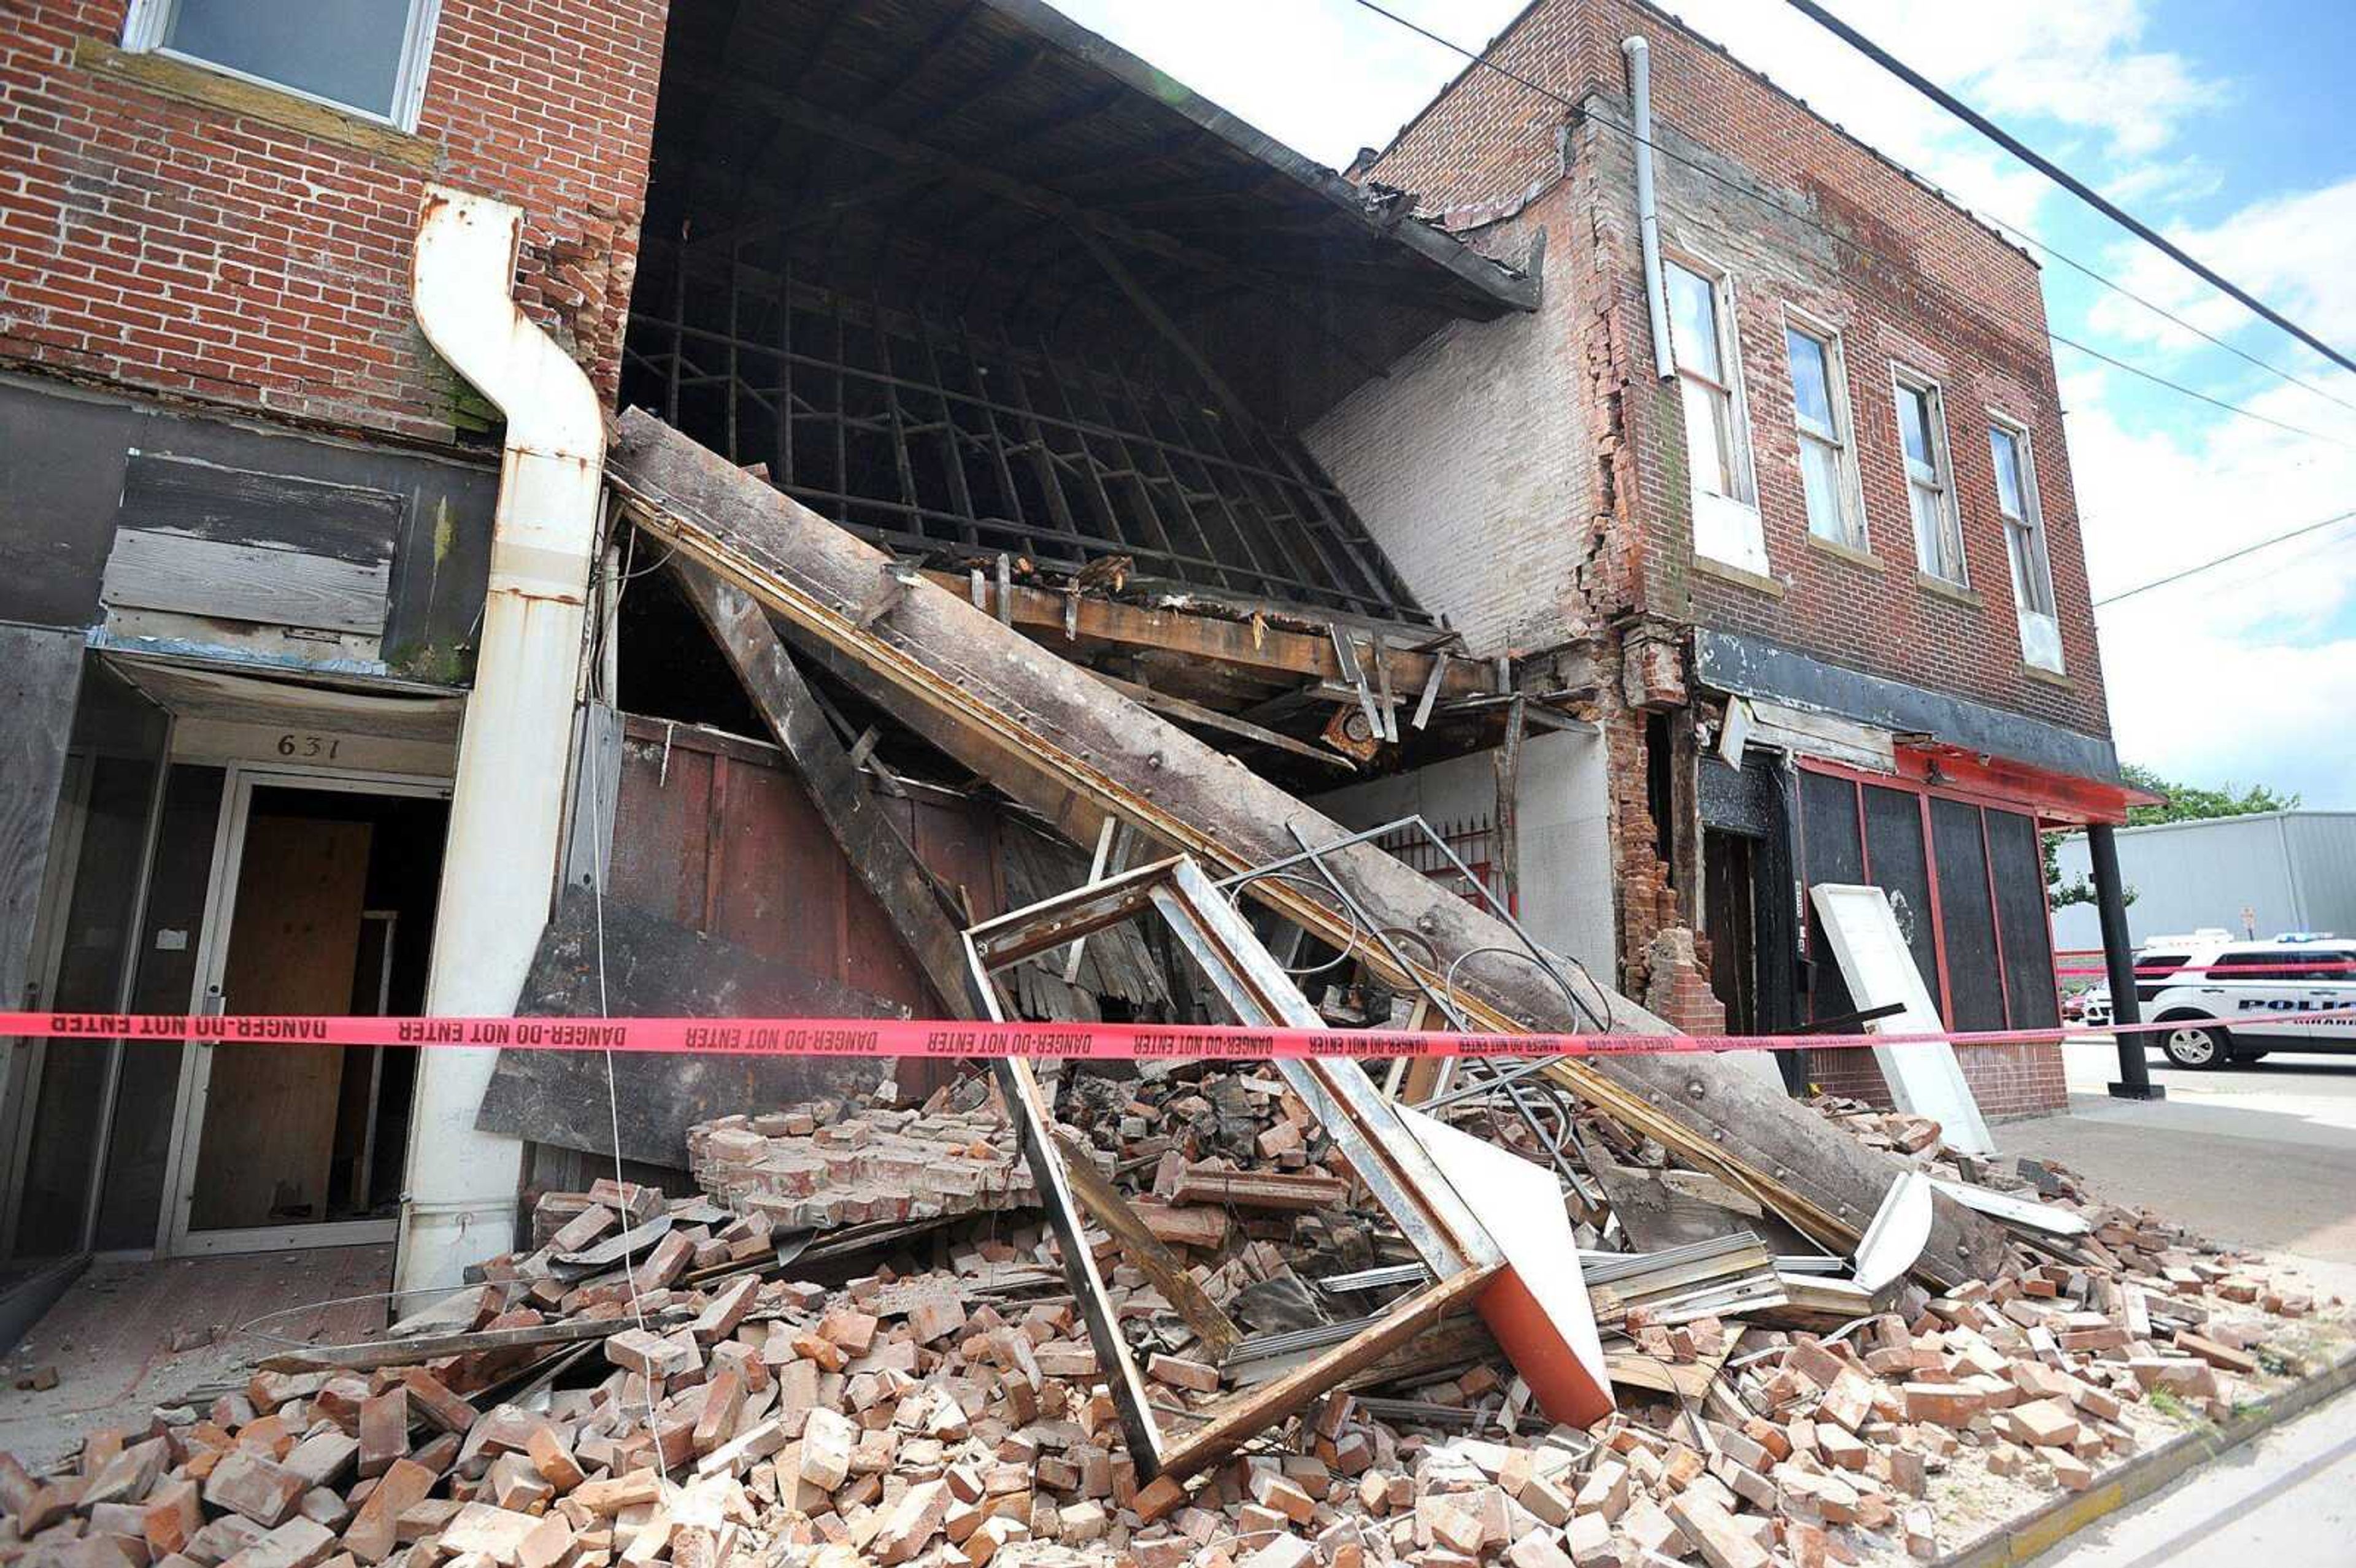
[(1930, 479), (1456, 1249)]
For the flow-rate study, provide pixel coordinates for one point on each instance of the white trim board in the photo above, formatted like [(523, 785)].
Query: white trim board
[(1924, 1080)]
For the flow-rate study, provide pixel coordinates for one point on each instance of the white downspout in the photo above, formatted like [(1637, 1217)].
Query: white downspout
[(499, 862), (1648, 212)]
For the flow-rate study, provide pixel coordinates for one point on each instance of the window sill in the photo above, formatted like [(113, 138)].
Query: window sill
[(1848, 553), (2052, 677), (1939, 587), (1741, 577), (194, 84)]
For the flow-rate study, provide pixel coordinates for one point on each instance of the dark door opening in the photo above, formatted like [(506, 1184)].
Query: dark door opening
[(1729, 915)]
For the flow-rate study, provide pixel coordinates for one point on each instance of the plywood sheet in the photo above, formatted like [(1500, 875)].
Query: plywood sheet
[(270, 1110), (1924, 1080)]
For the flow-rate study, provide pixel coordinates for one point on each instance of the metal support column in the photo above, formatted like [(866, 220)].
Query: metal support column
[(2118, 955)]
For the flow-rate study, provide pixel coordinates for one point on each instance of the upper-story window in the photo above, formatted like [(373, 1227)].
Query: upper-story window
[(1820, 410), (1929, 478), (2024, 538), (365, 56), (1718, 453)]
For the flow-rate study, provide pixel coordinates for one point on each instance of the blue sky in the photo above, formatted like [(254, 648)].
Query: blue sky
[(2226, 126)]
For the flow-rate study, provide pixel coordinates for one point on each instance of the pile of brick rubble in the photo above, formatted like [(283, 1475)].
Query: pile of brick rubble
[(720, 1406)]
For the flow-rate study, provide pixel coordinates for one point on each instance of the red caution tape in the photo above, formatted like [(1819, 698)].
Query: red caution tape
[(916, 1037)]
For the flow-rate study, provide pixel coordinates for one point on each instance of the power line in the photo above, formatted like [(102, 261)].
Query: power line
[(2222, 559), (2269, 367), (1797, 216), (2058, 175)]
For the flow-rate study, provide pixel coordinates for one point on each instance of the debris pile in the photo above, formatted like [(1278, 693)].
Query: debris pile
[(650, 1383), (821, 1166)]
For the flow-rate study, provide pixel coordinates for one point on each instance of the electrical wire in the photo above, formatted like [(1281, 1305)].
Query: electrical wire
[(2061, 176), (597, 852), (1808, 220), (2222, 559)]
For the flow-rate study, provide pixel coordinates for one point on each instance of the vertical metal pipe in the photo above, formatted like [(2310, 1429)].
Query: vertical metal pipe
[(499, 858), (1648, 212), (2118, 957)]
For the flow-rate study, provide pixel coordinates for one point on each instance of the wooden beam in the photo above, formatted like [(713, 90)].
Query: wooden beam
[(1281, 656), (1105, 1204), (1246, 1416), (878, 855), (1194, 713), (1043, 723)]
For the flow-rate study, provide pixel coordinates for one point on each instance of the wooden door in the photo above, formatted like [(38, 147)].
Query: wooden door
[(268, 1132)]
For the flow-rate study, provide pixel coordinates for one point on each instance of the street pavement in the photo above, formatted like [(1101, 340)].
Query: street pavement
[(2263, 1156)]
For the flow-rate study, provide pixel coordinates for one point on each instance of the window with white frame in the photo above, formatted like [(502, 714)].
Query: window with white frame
[(2024, 538), (1697, 328), (1820, 410), (365, 56), (1717, 453), (1929, 478)]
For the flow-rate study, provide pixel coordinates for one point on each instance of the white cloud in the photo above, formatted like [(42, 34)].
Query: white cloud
[(1328, 76), (2296, 251), (2243, 672)]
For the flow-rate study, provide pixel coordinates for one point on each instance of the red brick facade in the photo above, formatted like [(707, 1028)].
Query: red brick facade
[(159, 234), (1939, 293), (1799, 217)]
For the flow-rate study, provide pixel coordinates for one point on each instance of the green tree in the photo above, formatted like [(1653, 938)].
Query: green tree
[(2180, 803)]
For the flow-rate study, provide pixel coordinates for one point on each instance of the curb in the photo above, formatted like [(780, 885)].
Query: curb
[(2020, 1542)]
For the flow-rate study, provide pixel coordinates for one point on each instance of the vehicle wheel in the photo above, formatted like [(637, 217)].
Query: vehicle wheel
[(2196, 1045)]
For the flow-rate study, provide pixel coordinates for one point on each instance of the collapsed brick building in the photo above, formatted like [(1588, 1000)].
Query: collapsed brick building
[(1379, 491), (1821, 544)]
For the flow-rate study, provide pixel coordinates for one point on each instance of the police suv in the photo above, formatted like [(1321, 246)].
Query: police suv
[(2234, 1000)]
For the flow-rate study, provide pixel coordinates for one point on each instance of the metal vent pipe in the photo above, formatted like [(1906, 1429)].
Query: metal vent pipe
[(498, 865)]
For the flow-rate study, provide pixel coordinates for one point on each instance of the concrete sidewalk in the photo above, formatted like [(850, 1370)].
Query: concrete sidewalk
[(2262, 1156)]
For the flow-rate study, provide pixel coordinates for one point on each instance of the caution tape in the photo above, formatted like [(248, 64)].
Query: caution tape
[(916, 1037)]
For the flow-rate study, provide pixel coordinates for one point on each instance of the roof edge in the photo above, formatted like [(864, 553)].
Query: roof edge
[(1498, 283)]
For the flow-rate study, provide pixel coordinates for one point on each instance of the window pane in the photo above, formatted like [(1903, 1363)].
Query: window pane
[(1693, 321), (1707, 422), (1915, 423), (1931, 545), (2010, 492), (1811, 382), (346, 50), (1820, 478)]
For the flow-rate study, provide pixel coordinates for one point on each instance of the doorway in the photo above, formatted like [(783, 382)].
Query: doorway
[(1729, 914), (321, 902)]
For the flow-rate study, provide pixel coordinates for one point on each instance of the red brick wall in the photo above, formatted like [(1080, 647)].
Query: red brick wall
[(184, 249), (2006, 1080), (1959, 304)]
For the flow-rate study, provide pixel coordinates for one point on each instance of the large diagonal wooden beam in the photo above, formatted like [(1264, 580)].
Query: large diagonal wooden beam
[(878, 855), (968, 676)]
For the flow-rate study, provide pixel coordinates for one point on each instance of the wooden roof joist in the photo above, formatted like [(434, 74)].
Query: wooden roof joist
[(1050, 734)]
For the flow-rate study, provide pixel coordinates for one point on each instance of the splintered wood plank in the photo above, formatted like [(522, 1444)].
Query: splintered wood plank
[(1049, 733), (1108, 1208), (1244, 1417)]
